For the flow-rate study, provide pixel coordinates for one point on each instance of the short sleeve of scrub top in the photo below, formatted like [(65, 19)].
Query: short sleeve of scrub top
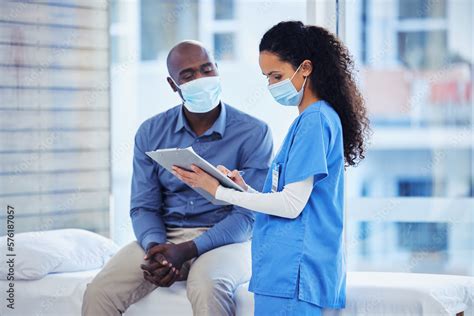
[(307, 155)]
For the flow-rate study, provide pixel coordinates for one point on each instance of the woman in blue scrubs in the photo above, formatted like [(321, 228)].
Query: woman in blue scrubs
[(298, 261)]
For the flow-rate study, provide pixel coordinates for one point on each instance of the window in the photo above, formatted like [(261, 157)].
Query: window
[(410, 203), (220, 27)]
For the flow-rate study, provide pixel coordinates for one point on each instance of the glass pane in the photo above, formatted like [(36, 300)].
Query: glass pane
[(224, 46), (224, 9), (164, 22), (410, 247), (114, 11), (416, 76), (423, 50), (422, 8)]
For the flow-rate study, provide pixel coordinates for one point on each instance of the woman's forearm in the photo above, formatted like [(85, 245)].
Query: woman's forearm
[(288, 203)]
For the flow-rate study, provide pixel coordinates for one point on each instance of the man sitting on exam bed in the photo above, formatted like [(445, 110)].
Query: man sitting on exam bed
[(207, 245)]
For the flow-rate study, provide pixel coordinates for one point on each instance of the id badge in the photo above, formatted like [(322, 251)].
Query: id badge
[(275, 176)]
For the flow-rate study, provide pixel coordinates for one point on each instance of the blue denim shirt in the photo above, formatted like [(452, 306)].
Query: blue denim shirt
[(159, 200)]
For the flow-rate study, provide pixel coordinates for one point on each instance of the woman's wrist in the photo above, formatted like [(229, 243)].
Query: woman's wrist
[(212, 189)]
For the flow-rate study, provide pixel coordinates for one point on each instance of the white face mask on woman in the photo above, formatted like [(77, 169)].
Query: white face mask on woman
[(201, 95), (285, 93)]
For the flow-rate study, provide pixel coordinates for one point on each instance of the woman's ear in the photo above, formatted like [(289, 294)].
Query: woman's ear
[(306, 68)]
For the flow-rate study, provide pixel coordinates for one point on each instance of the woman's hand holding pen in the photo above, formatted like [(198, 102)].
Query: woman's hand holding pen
[(235, 176)]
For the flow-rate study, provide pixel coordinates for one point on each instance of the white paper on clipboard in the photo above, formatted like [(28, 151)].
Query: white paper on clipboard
[(184, 158)]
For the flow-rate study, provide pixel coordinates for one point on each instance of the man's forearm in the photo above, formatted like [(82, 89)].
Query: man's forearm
[(148, 227), (236, 227)]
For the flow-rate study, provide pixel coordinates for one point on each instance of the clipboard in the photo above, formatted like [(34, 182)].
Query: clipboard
[(184, 158)]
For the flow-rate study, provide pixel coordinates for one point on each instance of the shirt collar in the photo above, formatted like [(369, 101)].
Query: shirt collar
[(218, 126)]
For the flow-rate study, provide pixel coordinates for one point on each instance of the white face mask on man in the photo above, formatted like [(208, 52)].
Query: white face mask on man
[(201, 95), (285, 93)]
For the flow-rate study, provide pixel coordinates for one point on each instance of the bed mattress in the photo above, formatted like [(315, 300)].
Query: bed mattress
[(368, 293)]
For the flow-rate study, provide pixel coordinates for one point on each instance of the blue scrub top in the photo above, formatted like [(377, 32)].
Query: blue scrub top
[(306, 255)]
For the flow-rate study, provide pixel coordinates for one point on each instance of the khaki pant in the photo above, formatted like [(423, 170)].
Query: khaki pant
[(212, 279)]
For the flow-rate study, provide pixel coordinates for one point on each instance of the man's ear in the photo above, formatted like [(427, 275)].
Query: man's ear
[(172, 84)]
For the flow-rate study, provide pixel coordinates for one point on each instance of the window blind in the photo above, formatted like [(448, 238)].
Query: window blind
[(55, 114)]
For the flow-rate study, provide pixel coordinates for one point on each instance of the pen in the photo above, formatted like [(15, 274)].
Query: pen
[(229, 175)]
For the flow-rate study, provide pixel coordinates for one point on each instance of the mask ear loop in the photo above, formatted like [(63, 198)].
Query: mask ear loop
[(177, 86), (304, 82), (296, 71)]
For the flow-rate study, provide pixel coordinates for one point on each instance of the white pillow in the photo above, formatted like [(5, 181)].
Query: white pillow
[(62, 250)]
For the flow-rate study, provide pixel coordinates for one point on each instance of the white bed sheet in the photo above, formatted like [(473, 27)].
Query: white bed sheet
[(368, 293), (55, 294), (407, 294), (61, 295)]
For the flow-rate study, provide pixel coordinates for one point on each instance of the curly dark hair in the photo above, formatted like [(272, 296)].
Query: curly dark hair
[(331, 79)]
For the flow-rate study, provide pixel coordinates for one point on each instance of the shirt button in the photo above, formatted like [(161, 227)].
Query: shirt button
[(192, 203)]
